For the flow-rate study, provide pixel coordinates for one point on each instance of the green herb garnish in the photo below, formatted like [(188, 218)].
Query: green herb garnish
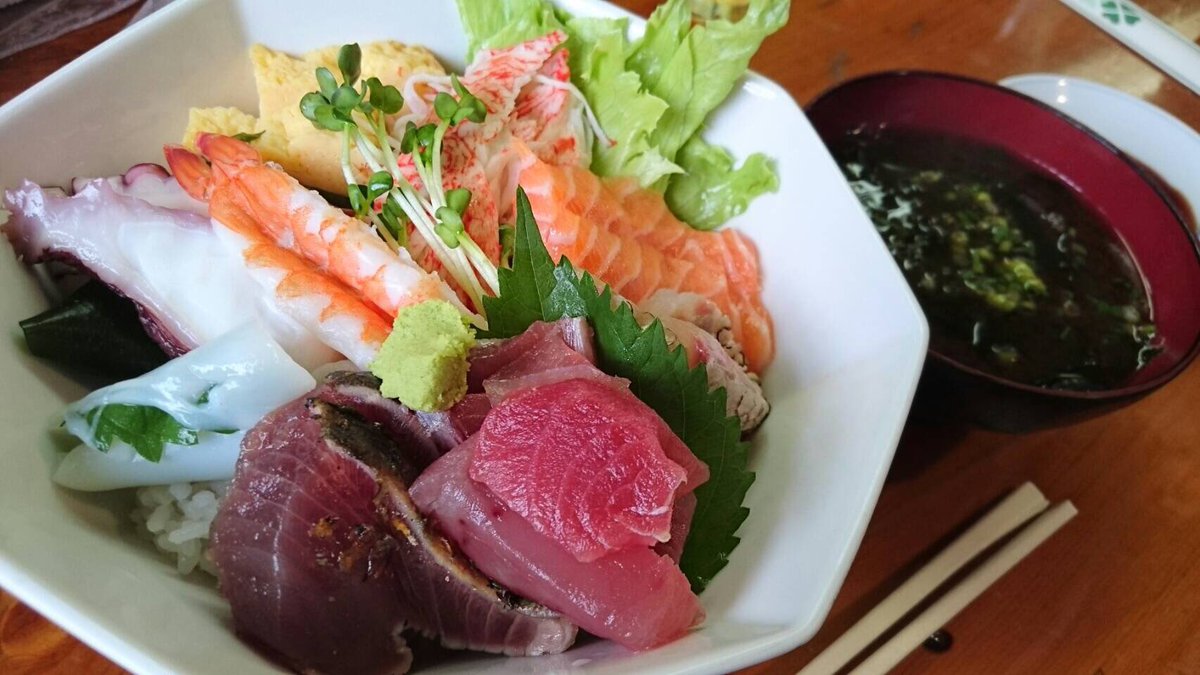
[(359, 112), (536, 289), (147, 429), (249, 138)]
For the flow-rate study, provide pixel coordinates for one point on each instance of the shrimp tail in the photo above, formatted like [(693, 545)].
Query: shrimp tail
[(227, 151), (192, 172)]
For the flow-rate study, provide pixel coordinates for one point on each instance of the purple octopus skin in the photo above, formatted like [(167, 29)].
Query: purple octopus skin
[(151, 183), (326, 561), (188, 287), (45, 227)]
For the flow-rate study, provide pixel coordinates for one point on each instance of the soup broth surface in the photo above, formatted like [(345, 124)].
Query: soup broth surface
[(1017, 275)]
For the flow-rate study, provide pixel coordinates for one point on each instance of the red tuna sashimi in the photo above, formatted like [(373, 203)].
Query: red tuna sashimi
[(582, 464), (634, 597), (325, 559), (681, 524), (490, 356), (549, 360), (426, 435), (542, 355)]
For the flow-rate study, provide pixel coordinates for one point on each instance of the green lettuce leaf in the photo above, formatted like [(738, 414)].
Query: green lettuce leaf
[(495, 24), (652, 96), (628, 113), (712, 191), (694, 68), (536, 289), (145, 428)]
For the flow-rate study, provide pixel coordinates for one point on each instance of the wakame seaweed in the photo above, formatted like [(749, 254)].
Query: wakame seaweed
[(94, 330)]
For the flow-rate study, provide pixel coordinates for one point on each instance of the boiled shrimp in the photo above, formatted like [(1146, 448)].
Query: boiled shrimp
[(298, 220), (330, 310)]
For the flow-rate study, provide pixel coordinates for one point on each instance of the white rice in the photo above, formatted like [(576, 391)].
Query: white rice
[(178, 517)]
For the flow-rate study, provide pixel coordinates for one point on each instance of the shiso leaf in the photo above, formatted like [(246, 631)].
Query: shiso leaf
[(147, 429), (536, 289)]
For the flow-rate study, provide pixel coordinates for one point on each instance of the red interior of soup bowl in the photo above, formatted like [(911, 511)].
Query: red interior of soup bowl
[(1161, 245)]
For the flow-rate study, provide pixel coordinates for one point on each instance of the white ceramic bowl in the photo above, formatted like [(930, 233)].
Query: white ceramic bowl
[(1144, 131), (851, 343)]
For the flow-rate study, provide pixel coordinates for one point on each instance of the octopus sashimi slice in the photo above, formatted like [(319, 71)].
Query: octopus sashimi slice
[(152, 184), (188, 288)]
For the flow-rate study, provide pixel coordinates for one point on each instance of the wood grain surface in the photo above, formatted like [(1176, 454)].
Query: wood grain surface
[(1116, 591)]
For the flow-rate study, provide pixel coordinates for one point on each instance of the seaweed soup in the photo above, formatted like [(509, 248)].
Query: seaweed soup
[(1017, 275)]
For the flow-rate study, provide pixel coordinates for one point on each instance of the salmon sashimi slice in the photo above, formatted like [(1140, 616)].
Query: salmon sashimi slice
[(628, 238)]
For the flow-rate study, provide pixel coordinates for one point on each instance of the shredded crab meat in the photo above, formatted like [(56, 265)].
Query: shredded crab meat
[(593, 124)]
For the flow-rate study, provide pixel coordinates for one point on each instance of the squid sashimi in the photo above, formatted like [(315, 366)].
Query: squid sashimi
[(189, 290), (299, 220), (627, 238), (218, 390)]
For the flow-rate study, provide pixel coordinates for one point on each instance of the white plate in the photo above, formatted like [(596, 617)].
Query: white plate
[(1144, 131), (851, 343)]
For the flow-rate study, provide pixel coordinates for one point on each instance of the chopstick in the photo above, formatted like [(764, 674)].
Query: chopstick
[(953, 602), (1147, 36), (1024, 503)]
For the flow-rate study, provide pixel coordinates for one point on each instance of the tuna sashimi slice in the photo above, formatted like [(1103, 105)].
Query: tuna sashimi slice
[(681, 524), (542, 356), (426, 435), (548, 361), (325, 559), (489, 356), (634, 597), (582, 464)]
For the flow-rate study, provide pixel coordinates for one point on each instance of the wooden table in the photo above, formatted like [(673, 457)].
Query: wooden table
[(1118, 590)]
